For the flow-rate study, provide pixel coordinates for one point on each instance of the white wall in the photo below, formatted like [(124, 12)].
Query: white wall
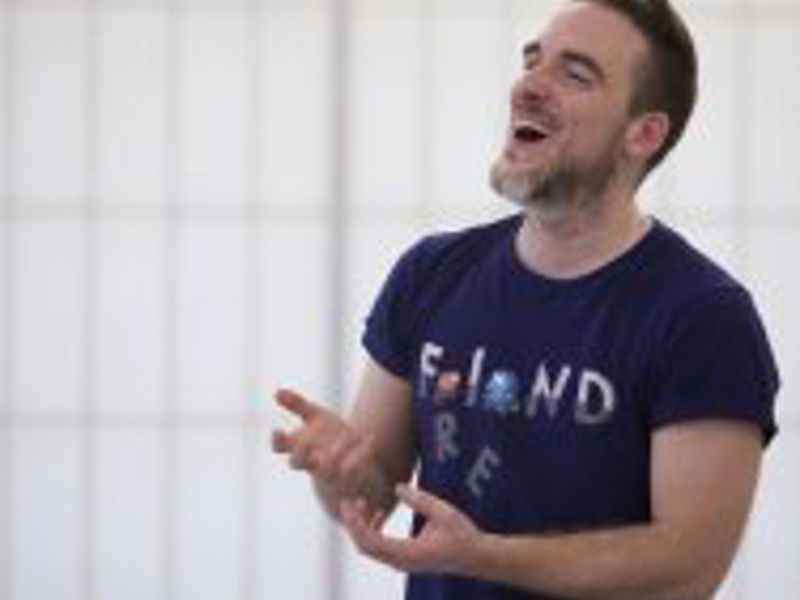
[(198, 200)]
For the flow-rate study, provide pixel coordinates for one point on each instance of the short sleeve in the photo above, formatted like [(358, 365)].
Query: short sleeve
[(717, 363), (389, 326)]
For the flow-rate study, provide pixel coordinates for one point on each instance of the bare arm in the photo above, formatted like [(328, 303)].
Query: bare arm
[(365, 455), (703, 477), (381, 410)]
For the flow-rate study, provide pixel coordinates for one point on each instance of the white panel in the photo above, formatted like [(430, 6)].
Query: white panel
[(47, 501), (131, 321), (209, 505), (6, 318), (469, 99), (129, 545), (132, 89), (685, 7), (5, 102), (198, 5), (387, 6), (388, 92), (49, 316), (294, 303), (123, 4), (524, 20), (778, 296), (775, 90), (716, 239), (210, 317), (732, 587), (474, 6), (6, 445), (291, 534), (705, 162), (49, 3), (366, 579), (774, 539), (374, 248), (295, 128), (49, 105), (212, 107), (775, 9)]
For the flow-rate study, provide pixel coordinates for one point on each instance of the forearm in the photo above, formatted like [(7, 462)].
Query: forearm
[(704, 475), (647, 561)]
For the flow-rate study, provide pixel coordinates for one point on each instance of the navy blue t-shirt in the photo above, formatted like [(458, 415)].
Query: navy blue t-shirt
[(535, 399)]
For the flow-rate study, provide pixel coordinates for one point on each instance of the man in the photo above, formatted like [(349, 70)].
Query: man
[(582, 396)]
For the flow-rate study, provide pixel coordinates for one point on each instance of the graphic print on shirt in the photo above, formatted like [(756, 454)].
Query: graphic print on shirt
[(584, 396)]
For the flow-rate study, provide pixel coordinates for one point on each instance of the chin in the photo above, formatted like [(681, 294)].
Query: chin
[(520, 186)]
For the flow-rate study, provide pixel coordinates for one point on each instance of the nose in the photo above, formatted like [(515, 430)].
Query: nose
[(532, 87)]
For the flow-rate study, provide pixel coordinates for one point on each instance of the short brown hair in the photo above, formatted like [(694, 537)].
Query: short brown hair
[(668, 80)]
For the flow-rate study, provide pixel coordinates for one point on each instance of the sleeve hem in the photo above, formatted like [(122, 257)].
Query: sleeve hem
[(767, 425), (385, 360)]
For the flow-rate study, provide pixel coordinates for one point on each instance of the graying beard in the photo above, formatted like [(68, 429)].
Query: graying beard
[(527, 191)]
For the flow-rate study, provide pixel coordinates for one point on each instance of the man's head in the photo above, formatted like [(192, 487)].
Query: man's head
[(605, 93), (667, 79)]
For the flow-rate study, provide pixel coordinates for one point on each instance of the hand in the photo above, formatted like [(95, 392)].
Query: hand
[(442, 546), (324, 445)]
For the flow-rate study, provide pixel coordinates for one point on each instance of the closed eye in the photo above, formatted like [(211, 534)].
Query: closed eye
[(579, 74), (581, 68)]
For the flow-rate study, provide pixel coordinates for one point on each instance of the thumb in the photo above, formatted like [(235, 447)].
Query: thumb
[(423, 502)]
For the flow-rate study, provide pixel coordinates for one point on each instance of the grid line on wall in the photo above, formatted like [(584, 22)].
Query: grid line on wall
[(88, 450), (337, 219), (250, 517), (778, 218), (7, 324), (169, 252), (741, 204), (743, 158), (172, 424)]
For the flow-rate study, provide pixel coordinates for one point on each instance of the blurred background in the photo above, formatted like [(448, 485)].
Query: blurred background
[(199, 200)]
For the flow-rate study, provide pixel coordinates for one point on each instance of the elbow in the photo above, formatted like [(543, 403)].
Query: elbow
[(698, 589), (701, 578), (698, 565), (701, 588), (707, 583)]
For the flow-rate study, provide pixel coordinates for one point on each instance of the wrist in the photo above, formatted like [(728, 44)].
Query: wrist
[(477, 555)]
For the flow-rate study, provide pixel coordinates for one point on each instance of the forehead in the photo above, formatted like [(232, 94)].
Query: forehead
[(597, 31)]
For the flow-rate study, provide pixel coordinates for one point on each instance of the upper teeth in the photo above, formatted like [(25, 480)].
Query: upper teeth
[(529, 127)]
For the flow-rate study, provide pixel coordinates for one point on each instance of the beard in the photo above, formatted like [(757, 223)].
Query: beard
[(564, 182)]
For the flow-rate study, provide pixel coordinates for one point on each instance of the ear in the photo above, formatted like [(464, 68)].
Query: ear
[(646, 134)]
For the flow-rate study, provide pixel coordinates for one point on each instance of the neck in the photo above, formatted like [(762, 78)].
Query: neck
[(577, 241)]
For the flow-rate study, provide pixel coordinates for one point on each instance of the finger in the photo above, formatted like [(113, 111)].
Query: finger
[(351, 519), (301, 459), (297, 404), (282, 442), (377, 521), (422, 502), (357, 524), (395, 552)]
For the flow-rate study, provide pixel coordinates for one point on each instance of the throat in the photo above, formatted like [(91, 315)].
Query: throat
[(572, 248)]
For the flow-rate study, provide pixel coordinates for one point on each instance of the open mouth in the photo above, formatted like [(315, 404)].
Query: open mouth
[(528, 132)]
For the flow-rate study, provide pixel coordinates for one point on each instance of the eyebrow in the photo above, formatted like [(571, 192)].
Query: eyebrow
[(533, 48)]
